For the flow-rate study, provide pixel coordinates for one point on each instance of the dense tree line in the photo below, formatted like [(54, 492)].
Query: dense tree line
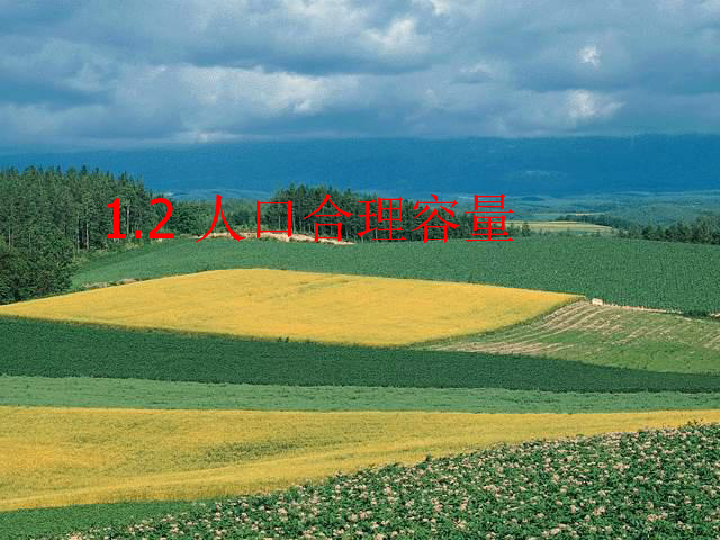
[(195, 217), (306, 200), (73, 203), (39, 270), (48, 216), (704, 230)]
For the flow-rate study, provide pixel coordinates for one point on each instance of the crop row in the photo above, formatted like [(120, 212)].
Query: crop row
[(145, 394), (609, 336), (93, 351)]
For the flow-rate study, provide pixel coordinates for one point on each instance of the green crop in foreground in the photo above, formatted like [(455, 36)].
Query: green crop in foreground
[(134, 393), (651, 484), (88, 351), (626, 272), (23, 524)]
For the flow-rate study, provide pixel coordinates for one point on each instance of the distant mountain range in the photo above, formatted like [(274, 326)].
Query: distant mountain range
[(416, 167)]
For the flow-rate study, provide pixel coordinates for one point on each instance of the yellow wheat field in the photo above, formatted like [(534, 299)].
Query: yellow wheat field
[(61, 456), (333, 308)]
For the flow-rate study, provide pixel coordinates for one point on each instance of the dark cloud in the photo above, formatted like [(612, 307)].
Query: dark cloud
[(134, 72)]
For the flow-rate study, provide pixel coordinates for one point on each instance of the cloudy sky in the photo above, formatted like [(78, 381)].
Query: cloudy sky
[(124, 73)]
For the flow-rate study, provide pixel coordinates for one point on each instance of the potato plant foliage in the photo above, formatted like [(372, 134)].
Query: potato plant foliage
[(649, 484)]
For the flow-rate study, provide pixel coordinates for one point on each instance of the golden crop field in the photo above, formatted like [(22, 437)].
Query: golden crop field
[(60, 456), (332, 308)]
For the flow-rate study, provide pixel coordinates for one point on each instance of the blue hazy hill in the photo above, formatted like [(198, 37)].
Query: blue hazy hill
[(408, 167)]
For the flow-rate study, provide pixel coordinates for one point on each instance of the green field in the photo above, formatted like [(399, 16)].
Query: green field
[(578, 359), (625, 272), (145, 394), (36, 522), (609, 336), (90, 351), (650, 484)]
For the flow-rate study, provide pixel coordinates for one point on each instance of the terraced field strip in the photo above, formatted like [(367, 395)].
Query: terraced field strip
[(610, 336), (272, 304), (83, 350), (134, 393), (61, 456)]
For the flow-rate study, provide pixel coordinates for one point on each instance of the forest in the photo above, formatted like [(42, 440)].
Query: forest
[(48, 218)]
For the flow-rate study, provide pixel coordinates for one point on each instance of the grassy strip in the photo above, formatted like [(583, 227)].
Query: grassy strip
[(39, 348), (134, 393), (626, 272)]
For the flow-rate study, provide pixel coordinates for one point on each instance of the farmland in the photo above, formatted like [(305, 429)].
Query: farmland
[(321, 269), (650, 484), (148, 394), (610, 336), (331, 308), (59, 456), (624, 272), (221, 359), (240, 380)]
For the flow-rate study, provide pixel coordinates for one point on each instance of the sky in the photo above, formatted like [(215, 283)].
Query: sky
[(111, 74)]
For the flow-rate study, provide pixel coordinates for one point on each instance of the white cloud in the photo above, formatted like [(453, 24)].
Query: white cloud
[(479, 72), (583, 106), (590, 55), (399, 38)]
